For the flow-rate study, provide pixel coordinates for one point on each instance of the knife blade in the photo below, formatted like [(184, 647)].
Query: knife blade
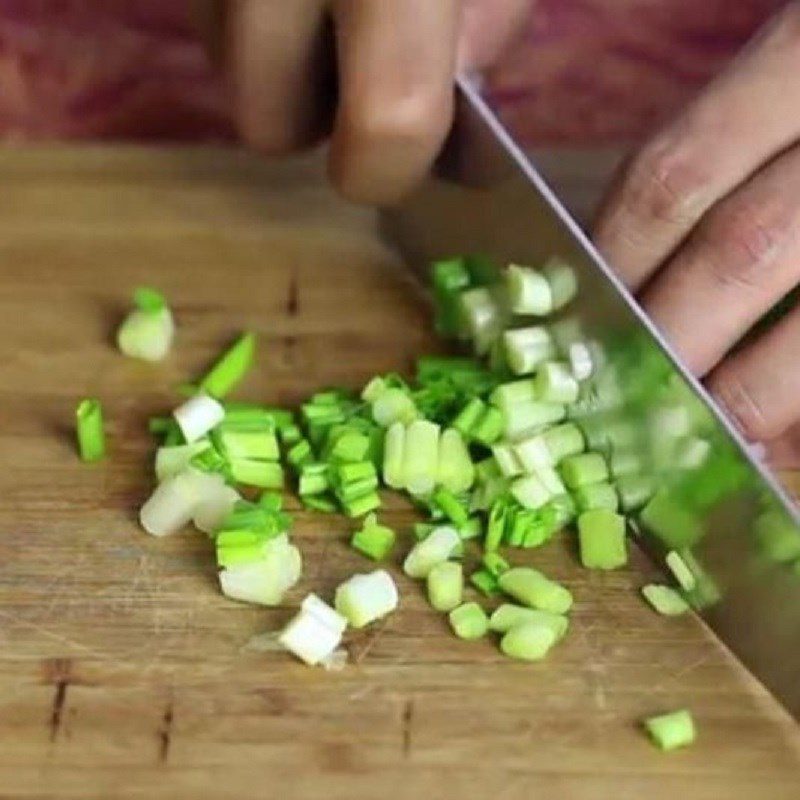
[(718, 509)]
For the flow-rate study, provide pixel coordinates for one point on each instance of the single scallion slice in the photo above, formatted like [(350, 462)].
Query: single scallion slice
[(681, 571), (530, 492), (496, 525), (529, 291), (564, 440), (394, 456), (300, 454), (264, 581), (672, 730), (507, 616), (434, 549), (363, 504), (197, 416), (562, 280), (450, 506), (394, 405), (171, 506), (313, 479), (311, 635), (528, 641), (580, 361), (527, 348), (634, 491), (531, 588), (601, 536), (485, 582), (550, 479), (506, 458), (471, 529), (445, 584), (364, 598), (533, 452), (467, 418), (555, 383), (148, 330), (469, 621), (665, 600), (490, 427), (374, 389), (530, 416), (90, 433), (263, 474), (455, 470), (481, 316), (172, 460), (228, 372), (317, 503), (373, 540), (495, 563), (583, 469), (421, 457), (596, 495)]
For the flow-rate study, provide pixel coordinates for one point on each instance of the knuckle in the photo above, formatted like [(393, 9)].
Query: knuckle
[(741, 404), (666, 183)]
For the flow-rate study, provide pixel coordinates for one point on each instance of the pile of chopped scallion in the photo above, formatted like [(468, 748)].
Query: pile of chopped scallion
[(488, 447)]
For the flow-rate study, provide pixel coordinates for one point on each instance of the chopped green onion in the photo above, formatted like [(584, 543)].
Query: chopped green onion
[(89, 426), (300, 454), (364, 598), (527, 348), (373, 390), (506, 459), (471, 529), (363, 504), (455, 470), (450, 506), (665, 600), (531, 588), (197, 416), (468, 417), (583, 469), (469, 621), (495, 564), (271, 501), (562, 280), (421, 457), (315, 632), (673, 730), (231, 367), (496, 525), (681, 571), (490, 427), (436, 548), (172, 460), (449, 279), (555, 383), (423, 529), (530, 492), (316, 503), (528, 641), (313, 479), (487, 469), (394, 405), (373, 540), (349, 447), (171, 506), (533, 452), (580, 361), (260, 445), (290, 434), (530, 416), (147, 299), (148, 330), (394, 456), (634, 491), (601, 535), (507, 395), (564, 440), (482, 317), (217, 502), (485, 582), (266, 580), (508, 616), (596, 495), (445, 584), (528, 291), (549, 478), (263, 474)]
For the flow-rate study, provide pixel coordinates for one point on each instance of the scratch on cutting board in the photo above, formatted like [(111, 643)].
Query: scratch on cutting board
[(60, 670), (374, 635), (165, 731), (671, 679), (293, 296), (406, 723)]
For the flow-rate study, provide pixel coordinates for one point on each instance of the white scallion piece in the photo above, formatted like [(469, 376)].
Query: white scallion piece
[(533, 453), (562, 281), (172, 505), (364, 598), (327, 615), (530, 492), (555, 383), (580, 361), (421, 457), (394, 456), (434, 549), (550, 479), (525, 419), (197, 416), (482, 316), (455, 470), (528, 291), (172, 460), (265, 581), (146, 334), (215, 506), (308, 637), (526, 348), (507, 460)]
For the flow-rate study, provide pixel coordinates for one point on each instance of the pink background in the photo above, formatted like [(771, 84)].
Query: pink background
[(583, 71)]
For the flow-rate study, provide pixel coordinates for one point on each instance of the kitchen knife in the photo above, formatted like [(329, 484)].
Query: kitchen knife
[(715, 505)]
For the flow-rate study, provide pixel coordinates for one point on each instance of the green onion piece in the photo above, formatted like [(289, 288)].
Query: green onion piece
[(527, 348), (314, 633), (231, 367), (508, 616), (601, 535), (148, 330), (563, 507), (625, 462), (675, 525), (455, 470), (496, 525), (507, 395), (313, 479), (394, 456), (350, 447), (449, 279), (490, 427), (634, 491), (451, 506), (531, 416), (555, 383), (349, 493), (91, 437), (251, 415), (469, 621), (421, 457), (531, 588), (533, 452), (271, 501), (209, 460), (260, 445), (550, 479), (507, 460), (562, 281), (528, 291), (290, 434), (471, 529), (540, 525), (172, 460), (487, 469), (665, 600), (487, 493), (373, 540), (363, 504), (518, 523), (596, 495), (423, 529), (263, 474), (445, 584), (530, 492), (373, 390), (353, 472), (495, 564), (300, 454), (485, 582), (481, 317), (583, 469), (564, 440), (528, 641), (673, 730), (316, 503), (365, 598), (267, 580), (681, 571), (434, 549), (468, 417), (394, 405)]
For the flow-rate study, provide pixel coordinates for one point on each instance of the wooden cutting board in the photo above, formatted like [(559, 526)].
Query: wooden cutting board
[(123, 671)]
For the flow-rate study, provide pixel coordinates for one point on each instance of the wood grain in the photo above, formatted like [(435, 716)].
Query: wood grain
[(124, 672)]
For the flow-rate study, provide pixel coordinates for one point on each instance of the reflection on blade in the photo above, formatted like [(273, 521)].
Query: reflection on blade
[(721, 523)]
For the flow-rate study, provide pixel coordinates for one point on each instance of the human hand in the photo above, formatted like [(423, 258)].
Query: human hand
[(704, 223), (395, 63)]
